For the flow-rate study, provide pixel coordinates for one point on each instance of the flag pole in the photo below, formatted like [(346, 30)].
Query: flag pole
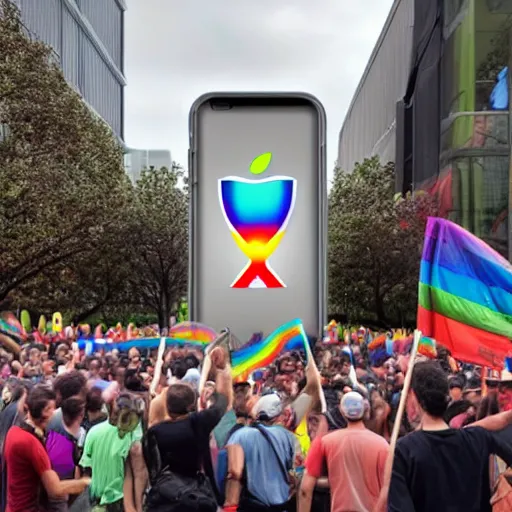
[(158, 368), (311, 360), (398, 422)]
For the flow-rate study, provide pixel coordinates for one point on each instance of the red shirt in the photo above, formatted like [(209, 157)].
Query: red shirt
[(354, 461), (26, 460)]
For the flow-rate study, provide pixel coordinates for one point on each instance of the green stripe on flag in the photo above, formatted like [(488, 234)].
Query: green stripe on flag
[(464, 311)]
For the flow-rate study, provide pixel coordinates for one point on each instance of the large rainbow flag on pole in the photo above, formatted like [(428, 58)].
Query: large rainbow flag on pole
[(465, 295), (258, 355)]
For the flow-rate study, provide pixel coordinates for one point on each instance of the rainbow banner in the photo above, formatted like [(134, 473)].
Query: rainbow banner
[(465, 295), (138, 343), (289, 336), (182, 334)]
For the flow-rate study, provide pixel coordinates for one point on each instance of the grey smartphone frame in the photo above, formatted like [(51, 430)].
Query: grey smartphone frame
[(273, 98)]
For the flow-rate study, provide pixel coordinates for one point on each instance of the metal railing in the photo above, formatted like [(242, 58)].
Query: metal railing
[(476, 133)]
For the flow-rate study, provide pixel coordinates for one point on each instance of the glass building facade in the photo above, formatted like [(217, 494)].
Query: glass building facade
[(87, 38), (474, 172), (451, 117)]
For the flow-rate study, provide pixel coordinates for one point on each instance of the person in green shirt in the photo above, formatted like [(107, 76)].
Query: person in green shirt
[(106, 454)]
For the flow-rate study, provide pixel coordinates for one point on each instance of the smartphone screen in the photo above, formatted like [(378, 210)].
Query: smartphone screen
[(258, 202)]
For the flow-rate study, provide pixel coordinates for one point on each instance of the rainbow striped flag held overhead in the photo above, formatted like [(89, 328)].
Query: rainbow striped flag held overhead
[(249, 358), (465, 295)]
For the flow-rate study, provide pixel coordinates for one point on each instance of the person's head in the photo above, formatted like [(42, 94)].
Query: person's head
[(207, 393), (134, 357), (61, 352), (268, 408), (34, 356), (119, 373), (505, 395), (12, 391), (94, 401), (73, 410), (344, 364), (133, 381), (456, 386), (69, 384), (429, 389), (352, 406), (127, 411), (94, 368), (40, 405), (473, 391), (242, 389), (180, 400), (191, 361), (240, 407), (179, 369)]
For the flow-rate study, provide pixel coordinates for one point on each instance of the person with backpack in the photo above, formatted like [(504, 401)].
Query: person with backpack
[(177, 450), (260, 460)]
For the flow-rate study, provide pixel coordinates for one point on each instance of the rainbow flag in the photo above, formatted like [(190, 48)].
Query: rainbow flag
[(465, 295), (259, 355), (193, 331), (427, 347)]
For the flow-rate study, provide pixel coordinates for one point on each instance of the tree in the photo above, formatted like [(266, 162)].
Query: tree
[(375, 241), (160, 236), (62, 181), (87, 284)]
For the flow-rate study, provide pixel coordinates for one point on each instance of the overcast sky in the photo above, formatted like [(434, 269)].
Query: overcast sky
[(177, 50)]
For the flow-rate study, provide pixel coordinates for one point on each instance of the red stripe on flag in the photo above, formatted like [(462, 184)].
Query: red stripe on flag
[(465, 343)]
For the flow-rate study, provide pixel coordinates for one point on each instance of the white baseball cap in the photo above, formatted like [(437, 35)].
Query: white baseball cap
[(352, 406)]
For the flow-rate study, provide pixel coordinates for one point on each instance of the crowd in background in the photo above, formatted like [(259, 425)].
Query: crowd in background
[(116, 431)]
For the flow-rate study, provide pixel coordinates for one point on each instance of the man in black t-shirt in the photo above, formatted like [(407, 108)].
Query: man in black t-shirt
[(438, 468)]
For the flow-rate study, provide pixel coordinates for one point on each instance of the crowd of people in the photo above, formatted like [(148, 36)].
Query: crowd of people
[(114, 432)]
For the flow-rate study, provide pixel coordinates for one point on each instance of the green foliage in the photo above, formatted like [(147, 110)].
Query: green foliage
[(62, 181), (159, 230), (260, 164), (375, 241), (75, 235)]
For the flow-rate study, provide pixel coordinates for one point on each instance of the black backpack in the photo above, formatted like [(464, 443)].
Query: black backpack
[(171, 492)]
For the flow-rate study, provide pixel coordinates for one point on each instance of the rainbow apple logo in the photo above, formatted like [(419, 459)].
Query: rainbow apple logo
[(257, 212)]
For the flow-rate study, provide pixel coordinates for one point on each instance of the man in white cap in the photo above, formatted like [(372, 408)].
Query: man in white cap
[(260, 458), (352, 458)]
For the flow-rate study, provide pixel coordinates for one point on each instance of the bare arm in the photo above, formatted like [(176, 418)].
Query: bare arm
[(307, 488), (60, 489), (236, 462), (158, 409), (140, 474), (495, 422), (128, 501)]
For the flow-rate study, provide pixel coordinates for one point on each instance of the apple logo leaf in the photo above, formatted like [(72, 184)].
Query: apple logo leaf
[(260, 163)]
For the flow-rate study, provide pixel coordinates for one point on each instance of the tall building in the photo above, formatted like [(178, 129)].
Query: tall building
[(87, 37), (435, 100), (136, 160)]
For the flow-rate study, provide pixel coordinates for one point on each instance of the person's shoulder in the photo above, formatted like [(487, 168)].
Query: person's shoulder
[(15, 433), (410, 439), (241, 434), (281, 432), (19, 438), (99, 429), (374, 438), (475, 434)]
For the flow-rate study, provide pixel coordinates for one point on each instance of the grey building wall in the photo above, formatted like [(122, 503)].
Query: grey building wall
[(87, 36), (136, 160), (369, 126)]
